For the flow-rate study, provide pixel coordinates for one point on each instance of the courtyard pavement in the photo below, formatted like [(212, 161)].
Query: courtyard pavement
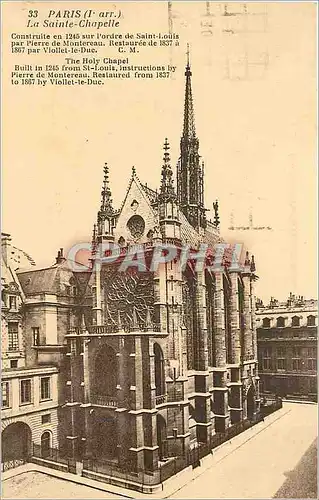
[(275, 458), (259, 467)]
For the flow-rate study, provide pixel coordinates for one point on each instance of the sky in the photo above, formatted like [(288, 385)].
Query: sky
[(254, 89)]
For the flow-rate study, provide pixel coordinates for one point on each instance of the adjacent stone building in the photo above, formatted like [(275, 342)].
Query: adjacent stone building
[(159, 359), (287, 347), (29, 388)]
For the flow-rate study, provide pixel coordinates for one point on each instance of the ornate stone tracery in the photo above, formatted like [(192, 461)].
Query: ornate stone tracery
[(136, 226), (129, 297)]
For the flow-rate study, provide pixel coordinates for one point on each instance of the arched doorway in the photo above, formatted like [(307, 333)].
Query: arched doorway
[(161, 436), (45, 444), (159, 370), (250, 402), (105, 375), (16, 442)]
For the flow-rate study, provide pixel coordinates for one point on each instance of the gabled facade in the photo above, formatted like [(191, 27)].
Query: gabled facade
[(161, 358)]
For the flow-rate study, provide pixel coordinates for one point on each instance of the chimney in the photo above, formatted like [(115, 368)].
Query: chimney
[(59, 258), (5, 244)]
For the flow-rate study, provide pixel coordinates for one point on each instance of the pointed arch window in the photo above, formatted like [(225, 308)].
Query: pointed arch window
[(159, 371)]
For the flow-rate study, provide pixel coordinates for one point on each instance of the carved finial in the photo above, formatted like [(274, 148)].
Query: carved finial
[(216, 216), (119, 321), (135, 324), (187, 55), (189, 122), (167, 188), (247, 260), (94, 235), (106, 201), (253, 265), (148, 320), (83, 326)]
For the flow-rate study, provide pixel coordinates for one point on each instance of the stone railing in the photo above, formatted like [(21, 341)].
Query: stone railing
[(102, 400), (107, 329), (159, 400)]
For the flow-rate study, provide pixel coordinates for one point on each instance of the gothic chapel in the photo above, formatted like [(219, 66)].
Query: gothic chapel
[(159, 361)]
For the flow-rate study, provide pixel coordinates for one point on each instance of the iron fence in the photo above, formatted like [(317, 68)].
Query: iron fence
[(54, 455), (172, 465), (168, 468)]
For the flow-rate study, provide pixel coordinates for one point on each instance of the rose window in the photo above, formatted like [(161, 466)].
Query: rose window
[(136, 226)]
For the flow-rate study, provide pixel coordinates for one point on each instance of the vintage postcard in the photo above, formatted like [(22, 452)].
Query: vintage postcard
[(159, 249)]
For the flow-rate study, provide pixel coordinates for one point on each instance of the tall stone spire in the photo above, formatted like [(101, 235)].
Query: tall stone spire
[(189, 120), (167, 191), (190, 171)]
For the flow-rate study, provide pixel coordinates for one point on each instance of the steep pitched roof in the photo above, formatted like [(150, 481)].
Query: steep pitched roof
[(151, 194), (55, 279)]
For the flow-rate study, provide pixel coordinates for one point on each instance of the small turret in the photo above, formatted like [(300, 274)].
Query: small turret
[(105, 217), (167, 200)]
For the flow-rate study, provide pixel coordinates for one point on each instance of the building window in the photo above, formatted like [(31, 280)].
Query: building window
[(296, 365), (312, 364), (266, 322), (281, 364), (311, 321), (281, 359), (45, 444), (295, 321), (45, 388), (5, 402), (73, 347), (13, 302), (312, 352), (313, 385), (25, 391), (46, 419), (13, 363), (13, 336), (312, 358), (280, 322), (296, 351), (267, 364), (36, 335)]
